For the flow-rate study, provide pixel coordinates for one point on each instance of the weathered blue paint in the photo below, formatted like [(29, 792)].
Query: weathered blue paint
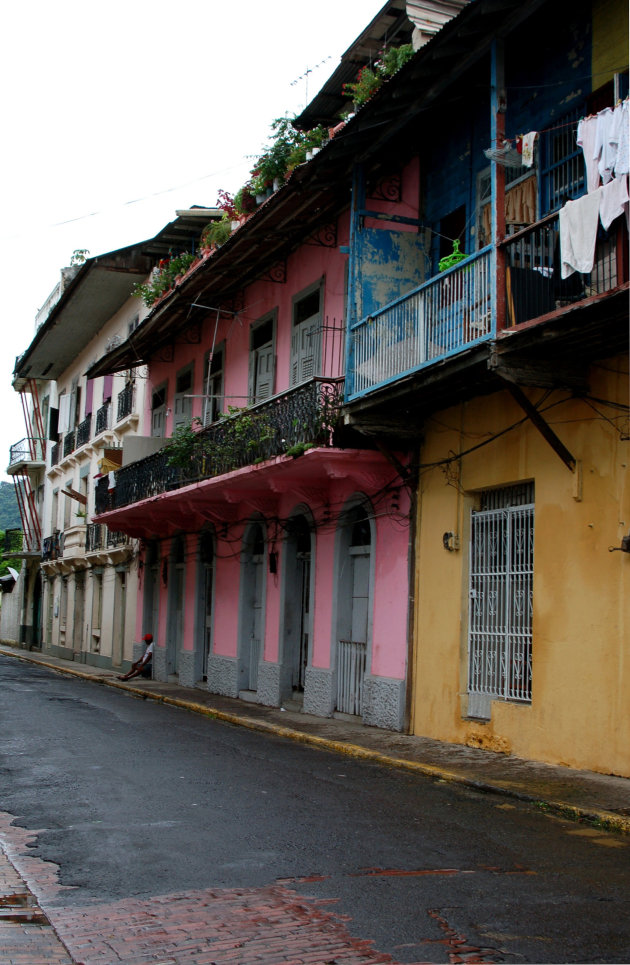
[(393, 263)]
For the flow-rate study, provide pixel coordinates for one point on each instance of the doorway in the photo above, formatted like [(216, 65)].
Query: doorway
[(252, 607), (297, 605)]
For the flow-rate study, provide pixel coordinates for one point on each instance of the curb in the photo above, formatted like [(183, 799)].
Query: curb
[(606, 820)]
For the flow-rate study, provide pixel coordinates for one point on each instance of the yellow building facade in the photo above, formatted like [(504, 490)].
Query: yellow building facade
[(577, 711)]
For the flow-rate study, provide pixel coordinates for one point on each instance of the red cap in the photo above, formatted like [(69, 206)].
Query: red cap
[(148, 637)]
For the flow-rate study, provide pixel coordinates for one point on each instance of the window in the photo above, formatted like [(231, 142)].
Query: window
[(306, 334), (261, 360), (561, 163), (158, 410), (521, 201), (500, 598), (182, 400), (213, 386)]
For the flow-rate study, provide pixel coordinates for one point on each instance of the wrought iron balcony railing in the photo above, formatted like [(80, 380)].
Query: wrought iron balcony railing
[(286, 424), (69, 442), (28, 450), (102, 418), (54, 454), (533, 282), (99, 537), (83, 431), (125, 402), (52, 547)]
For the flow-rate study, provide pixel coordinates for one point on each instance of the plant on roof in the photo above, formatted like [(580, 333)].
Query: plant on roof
[(216, 233), (370, 78), (163, 277), (79, 256)]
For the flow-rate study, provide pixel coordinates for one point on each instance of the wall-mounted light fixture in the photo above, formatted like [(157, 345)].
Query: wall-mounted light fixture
[(450, 541)]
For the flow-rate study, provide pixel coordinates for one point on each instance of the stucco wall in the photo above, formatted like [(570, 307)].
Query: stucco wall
[(581, 598)]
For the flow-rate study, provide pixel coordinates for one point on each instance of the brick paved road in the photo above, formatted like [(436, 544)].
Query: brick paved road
[(214, 926)]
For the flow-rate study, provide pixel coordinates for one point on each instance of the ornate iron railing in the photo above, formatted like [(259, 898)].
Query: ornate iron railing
[(533, 282), (99, 537), (30, 449), (13, 541), (125, 402), (83, 431), (69, 442), (52, 547), (102, 418), (286, 424), (54, 454), (437, 319)]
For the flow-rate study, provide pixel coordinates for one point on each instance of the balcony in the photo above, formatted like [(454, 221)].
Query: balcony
[(534, 286), (435, 320), (98, 537), (69, 443), (83, 431), (125, 402), (52, 547), (284, 425), (21, 544), (102, 418), (27, 453), (54, 454), (13, 542)]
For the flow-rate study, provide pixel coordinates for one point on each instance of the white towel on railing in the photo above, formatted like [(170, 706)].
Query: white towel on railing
[(578, 233)]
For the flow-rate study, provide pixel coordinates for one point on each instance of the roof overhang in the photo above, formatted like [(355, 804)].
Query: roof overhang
[(99, 289), (320, 189)]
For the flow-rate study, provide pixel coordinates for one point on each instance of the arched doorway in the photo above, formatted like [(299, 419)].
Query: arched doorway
[(297, 626), (354, 566), (252, 607)]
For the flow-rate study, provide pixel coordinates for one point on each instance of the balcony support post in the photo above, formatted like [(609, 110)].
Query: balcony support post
[(498, 106), (354, 263)]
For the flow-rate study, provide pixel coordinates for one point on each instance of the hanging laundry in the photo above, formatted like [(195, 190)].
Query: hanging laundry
[(613, 197), (621, 133), (528, 148), (605, 153), (586, 133), (578, 234)]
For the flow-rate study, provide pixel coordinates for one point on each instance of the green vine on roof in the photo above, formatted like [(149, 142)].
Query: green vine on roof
[(369, 79), (163, 277)]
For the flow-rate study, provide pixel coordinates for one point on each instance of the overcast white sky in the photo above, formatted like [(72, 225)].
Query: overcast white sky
[(114, 115)]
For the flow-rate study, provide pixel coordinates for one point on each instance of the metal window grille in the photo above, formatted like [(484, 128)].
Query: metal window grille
[(562, 163), (500, 604)]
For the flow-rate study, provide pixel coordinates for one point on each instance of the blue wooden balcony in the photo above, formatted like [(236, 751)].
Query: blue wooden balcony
[(438, 319)]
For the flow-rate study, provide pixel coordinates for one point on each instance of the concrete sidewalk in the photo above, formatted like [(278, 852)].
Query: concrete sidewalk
[(578, 795)]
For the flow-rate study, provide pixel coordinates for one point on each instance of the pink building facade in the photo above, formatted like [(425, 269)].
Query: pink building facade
[(283, 578)]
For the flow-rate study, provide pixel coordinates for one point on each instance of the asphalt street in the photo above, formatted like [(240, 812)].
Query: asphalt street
[(131, 801)]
